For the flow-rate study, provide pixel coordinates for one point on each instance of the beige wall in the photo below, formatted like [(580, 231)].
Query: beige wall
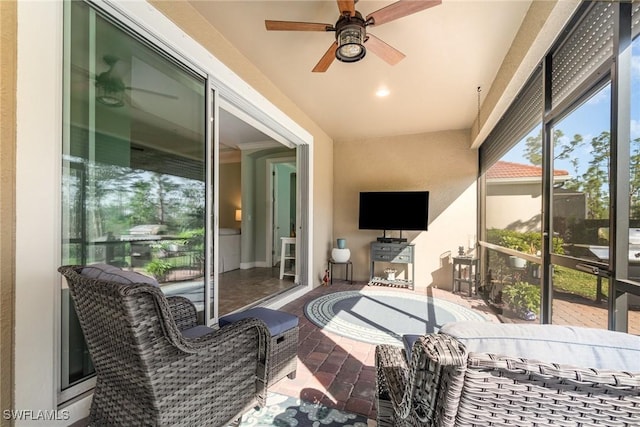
[(230, 194), (190, 21), (525, 206), (439, 162), (8, 25)]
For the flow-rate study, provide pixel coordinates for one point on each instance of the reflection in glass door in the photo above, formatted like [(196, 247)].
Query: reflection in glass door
[(133, 167), (581, 212), (631, 300)]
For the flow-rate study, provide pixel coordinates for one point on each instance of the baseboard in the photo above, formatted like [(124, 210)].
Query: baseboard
[(254, 264)]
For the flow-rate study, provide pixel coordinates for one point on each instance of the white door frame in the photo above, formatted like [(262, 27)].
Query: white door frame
[(269, 224)]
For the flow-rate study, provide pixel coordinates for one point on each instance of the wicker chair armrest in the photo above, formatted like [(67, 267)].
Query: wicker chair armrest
[(567, 373), (183, 311), (223, 336), (436, 376), (392, 369)]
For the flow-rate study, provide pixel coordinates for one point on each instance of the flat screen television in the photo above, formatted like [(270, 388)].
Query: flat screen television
[(394, 210)]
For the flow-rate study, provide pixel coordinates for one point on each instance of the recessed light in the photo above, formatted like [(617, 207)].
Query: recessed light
[(382, 92)]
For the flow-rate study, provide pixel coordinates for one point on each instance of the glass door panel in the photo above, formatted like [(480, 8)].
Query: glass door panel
[(133, 167), (257, 180), (581, 170), (629, 303), (581, 211)]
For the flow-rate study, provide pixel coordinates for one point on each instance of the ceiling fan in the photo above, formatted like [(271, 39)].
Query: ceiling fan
[(351, 31), (110, 88)]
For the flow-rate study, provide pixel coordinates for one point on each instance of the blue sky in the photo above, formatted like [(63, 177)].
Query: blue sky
[(592, 118)]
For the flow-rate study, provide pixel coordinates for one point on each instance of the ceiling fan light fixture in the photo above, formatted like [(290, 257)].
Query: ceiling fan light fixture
[(109, 98), (350, 41), (110, 89)]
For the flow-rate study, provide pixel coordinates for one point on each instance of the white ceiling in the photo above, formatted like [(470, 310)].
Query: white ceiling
[(450, 49)]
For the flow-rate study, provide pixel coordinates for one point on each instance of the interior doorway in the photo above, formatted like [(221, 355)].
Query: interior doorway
[(283, 209)]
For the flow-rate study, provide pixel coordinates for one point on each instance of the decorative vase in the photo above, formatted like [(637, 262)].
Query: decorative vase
[(340, 255), (342, 243)]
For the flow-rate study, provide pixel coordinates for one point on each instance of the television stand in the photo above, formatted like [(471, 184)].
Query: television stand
[(390, 253)]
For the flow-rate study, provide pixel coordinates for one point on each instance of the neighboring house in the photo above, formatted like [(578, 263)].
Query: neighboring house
[(519, 186)]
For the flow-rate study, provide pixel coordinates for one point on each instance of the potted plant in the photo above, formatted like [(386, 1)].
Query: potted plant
[(523, 298)]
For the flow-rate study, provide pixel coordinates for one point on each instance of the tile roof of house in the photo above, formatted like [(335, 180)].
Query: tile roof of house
[(502, 169)]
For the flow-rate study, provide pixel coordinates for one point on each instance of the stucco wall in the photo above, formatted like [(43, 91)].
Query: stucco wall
[(230, 194), (525, 206), (439, 162), (8, 24)]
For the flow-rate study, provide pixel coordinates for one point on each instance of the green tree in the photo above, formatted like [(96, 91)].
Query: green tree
[(143, 208), (562, 149), (595, 181)]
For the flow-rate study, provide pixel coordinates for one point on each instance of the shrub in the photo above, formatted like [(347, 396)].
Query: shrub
[(522, 297), (158, 268), (529, 242)]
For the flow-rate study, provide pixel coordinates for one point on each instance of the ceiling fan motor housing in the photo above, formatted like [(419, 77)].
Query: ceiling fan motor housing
[(350, 35)]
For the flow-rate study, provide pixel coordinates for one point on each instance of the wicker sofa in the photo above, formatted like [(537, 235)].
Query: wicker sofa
[(481, 374), (155, 366)]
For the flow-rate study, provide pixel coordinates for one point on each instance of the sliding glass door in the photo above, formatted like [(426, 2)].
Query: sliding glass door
[(134, 167), (155, 174)]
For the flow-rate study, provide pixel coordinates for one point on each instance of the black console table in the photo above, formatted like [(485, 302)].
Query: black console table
[(393, 253)]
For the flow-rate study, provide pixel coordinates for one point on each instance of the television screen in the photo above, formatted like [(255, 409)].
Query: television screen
[(394, 210)]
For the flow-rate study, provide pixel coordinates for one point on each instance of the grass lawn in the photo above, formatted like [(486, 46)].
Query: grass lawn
[(577, 283)]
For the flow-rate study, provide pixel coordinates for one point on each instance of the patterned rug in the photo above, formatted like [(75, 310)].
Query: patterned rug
[(382, 317), (285, 411)]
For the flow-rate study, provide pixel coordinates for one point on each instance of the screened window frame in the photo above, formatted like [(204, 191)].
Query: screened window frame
[(500, 141)]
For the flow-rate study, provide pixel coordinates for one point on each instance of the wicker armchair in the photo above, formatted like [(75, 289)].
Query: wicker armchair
[(445, 385), (155, 366)]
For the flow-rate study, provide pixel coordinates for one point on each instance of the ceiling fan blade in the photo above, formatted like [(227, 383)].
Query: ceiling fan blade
[(347, 6), (326, 60), (296, 26), (390, 54), (152, 92), (400, 9)]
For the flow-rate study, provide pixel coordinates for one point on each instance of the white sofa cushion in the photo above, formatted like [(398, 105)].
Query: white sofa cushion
[(565, 345)]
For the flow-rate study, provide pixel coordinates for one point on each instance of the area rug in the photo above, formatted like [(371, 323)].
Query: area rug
[(382, 317), (285, 411)]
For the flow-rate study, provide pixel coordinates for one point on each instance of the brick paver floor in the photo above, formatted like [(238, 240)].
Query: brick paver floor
[(337, 371)]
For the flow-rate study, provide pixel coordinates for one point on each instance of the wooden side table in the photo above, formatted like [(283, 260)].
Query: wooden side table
[(348, 274), (465, 271)]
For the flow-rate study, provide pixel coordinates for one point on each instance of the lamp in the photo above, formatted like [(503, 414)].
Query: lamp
[(350, 37), (238, 215)]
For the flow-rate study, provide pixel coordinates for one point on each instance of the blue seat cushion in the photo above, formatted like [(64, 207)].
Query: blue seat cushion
[(277, 321), (408, 341)]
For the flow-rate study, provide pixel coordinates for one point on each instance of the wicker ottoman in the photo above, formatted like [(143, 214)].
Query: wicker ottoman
[(284, 339)]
